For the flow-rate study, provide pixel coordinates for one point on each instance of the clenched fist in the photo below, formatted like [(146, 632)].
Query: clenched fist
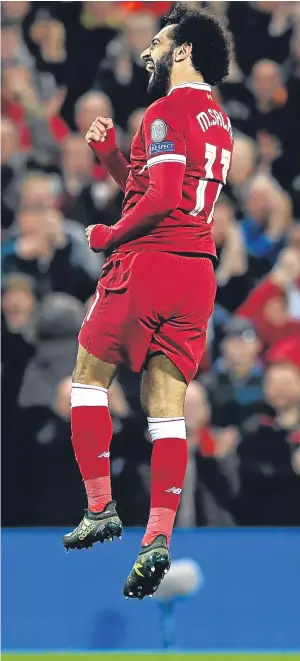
[(99, 237), (98, 131)]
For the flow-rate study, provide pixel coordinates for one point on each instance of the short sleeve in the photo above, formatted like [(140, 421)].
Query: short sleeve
[(165, 141)]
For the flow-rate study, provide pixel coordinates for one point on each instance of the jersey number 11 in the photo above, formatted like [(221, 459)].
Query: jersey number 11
[(210, 158)]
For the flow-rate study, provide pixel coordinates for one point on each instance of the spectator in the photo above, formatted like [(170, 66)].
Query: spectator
[(53, 485), (286, 168), (106, 201), (13, 49), (285, 351), (270, 98), (58, 323), (42, 191), (38, 191), (269, 455), (53, 252), (39, 122), (231, 273), (87, 37), (270, 306), (242, 167), (49, 36), (235, 96), (13, 13), (234, 382), (77, 172), (46, 60), (19, 306), (206, 498), (273, 121), (13, 167), (134, 123), (89, 106), (77, 164), (266, 222), (122, 75), (260, 30)]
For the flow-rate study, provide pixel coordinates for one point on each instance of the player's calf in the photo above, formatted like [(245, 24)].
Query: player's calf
[(91, 437)]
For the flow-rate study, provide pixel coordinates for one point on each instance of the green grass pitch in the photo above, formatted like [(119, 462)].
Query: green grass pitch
[(132, 656)]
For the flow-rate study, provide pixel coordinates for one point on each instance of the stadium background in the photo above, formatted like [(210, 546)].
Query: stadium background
[(64, 63)]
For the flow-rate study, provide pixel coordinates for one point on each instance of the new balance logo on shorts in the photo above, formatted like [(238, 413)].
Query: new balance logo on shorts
[(174, 490), (104, 455)]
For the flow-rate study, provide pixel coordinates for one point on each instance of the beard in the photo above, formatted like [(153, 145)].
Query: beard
[(160, 78)]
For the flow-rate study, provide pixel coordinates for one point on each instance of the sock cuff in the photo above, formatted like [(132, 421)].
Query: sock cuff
[(164, 419), (166, 428), (86, 395), (87, 386)]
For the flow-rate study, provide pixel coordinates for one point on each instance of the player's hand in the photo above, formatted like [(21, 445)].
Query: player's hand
[(99, 237), (98, 131)]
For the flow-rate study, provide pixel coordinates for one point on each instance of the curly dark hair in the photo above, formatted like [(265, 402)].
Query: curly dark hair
[(210, 41)]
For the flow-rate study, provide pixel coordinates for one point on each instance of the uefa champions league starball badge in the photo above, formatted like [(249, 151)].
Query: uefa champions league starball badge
[(158, 130)]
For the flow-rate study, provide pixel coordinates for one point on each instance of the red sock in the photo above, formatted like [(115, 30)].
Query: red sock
[(168, 468), (91, 437)]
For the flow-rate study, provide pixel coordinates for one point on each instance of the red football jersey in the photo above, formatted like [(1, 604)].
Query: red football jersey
[(189, 128), (179, 162)]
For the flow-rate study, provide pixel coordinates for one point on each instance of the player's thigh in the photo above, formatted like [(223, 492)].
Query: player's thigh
[(182, 336), (92, 371), (114, 332), (93, 365), (163, 388)]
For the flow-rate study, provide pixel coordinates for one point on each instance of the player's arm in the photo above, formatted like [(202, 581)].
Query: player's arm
[(166, 149), (101, 138)]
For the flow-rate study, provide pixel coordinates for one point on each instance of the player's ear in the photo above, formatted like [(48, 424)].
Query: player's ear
[(182, 52)]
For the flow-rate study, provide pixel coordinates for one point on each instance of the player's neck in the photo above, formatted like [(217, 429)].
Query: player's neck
[(186, 75)]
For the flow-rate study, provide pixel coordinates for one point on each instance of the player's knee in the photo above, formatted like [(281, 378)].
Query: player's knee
[(89, 370)]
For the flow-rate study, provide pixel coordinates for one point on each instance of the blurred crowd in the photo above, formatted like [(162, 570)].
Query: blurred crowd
[(64, 63)]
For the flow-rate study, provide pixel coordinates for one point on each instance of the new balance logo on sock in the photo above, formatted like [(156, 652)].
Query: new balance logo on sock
[(104, 455), (174, 490)]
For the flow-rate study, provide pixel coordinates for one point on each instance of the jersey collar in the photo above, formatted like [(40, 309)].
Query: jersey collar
[(197, 86)]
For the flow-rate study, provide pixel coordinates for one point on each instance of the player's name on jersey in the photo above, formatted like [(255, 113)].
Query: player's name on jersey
[(214, 118)]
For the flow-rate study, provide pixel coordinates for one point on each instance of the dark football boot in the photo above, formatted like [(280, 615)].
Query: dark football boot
[(152, 563), (95, 528)]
